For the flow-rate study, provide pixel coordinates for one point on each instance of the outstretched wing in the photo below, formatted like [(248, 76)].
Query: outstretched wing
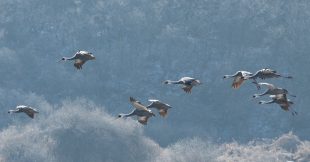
[(137, 104), (267, 73), (30, 114), (79, 63), (285, 106), (269, 86), (30, 111), (187, 88), (151, 105), (88, 55), (237, 82), (163, 112), (161, 107), (153, 100), (143, 120), (83, 52), (281, 97)]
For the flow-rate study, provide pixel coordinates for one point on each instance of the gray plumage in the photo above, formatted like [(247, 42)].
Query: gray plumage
[(268, 73), (160, 106), (272, 90), (187, 82), (80, 58), (140, 111), (240, 77), (282, 101), (25, 109)]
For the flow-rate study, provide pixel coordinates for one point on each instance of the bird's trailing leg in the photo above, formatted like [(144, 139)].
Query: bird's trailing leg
[(294, 113), (256, 83), (288, 77), (283, 76), (258, 95)]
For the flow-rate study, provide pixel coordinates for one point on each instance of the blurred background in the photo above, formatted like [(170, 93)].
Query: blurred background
[(138, 44)]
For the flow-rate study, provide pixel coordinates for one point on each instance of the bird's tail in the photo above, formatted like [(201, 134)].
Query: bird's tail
[(288, 77), (285, 76), (257, 84)]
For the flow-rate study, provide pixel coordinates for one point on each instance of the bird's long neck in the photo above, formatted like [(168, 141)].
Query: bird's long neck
[(253, 76), (124, 115), (14, 111), (69, 58), (129, 114), (174, 82), (230, 76), (268, 102), (262, 94)]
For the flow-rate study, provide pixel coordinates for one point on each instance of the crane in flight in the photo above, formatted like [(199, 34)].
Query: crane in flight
[(160, 106), (140, 111), (267, 73), (80, 58), (282, 101), (240, 77), (24, 109), (187, 83), (272, 90)]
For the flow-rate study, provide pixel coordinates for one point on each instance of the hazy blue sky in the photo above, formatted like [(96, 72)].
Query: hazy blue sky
[(138, 44)]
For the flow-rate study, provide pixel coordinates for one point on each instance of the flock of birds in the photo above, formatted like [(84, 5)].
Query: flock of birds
[(278, 95)]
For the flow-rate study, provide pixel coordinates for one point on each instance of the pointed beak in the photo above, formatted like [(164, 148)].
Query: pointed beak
[(63, 59)]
